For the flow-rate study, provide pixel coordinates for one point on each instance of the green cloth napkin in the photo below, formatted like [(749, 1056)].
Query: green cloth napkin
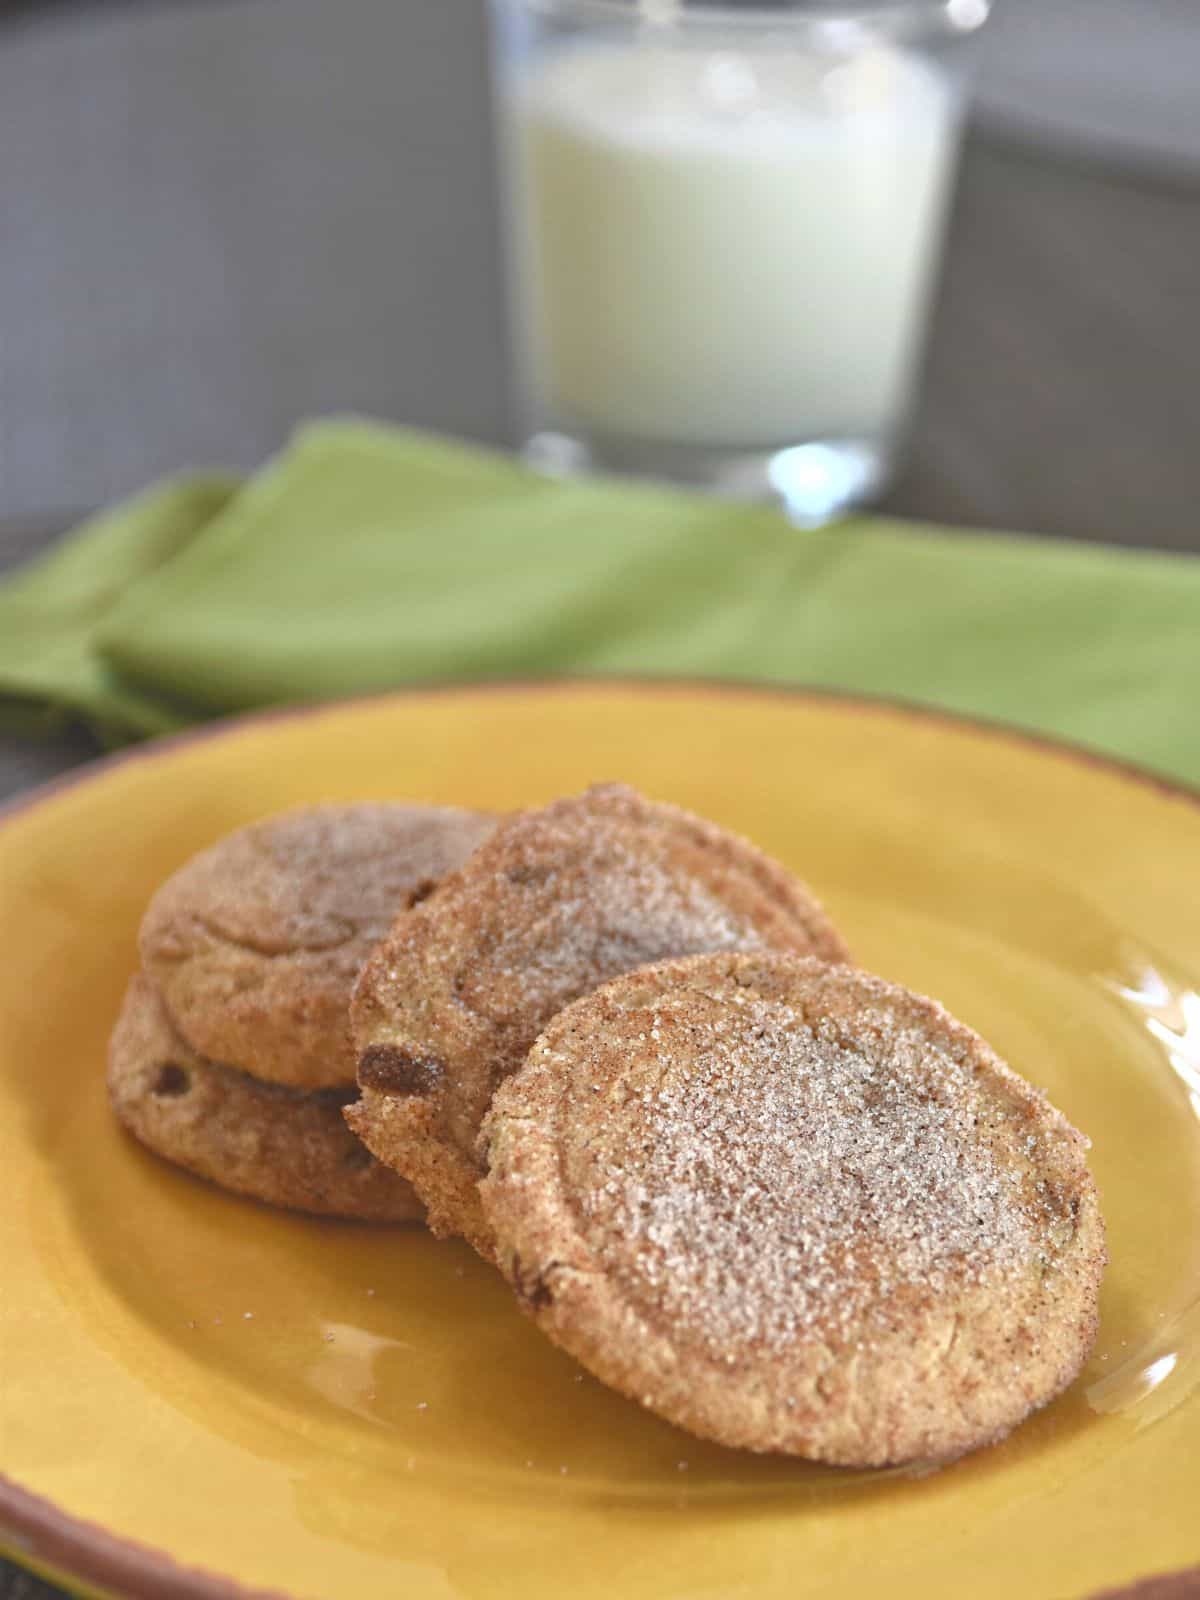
[(366, 557), (51, 670)]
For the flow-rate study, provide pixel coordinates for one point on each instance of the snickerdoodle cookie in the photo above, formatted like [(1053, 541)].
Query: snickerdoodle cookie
[(792, 1207), (256, 942), (557, 901), (290, 1147)]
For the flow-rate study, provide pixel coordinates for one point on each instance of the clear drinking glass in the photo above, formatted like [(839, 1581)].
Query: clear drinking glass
[(723, 227)]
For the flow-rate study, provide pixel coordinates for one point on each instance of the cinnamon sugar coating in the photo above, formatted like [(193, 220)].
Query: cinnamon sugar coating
[(793, 1207), (255, 943), (555, 902)]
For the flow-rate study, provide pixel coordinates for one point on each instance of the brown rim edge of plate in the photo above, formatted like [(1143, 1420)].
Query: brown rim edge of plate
[(69, 1548), (76, 1549), (852, 700)]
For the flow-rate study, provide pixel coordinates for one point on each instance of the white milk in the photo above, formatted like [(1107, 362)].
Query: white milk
[(725, 249)]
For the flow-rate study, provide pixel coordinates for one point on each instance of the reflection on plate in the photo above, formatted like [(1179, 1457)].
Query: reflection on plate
[(322, 1409)]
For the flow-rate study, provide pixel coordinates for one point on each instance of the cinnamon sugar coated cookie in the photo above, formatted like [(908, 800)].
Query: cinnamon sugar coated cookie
[(285, 1146), (554, 903), (793, 1207), (255, 943)]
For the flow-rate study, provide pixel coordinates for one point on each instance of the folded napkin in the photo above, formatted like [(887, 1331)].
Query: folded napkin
[(367, 557), (51, 669)]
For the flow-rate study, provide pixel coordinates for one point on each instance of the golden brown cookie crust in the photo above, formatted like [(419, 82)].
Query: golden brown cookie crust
[(256, 942), (557, 901), (285, 1146), (792, 1207)]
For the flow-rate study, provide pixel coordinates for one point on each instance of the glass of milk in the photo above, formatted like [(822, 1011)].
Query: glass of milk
[(723, 230)]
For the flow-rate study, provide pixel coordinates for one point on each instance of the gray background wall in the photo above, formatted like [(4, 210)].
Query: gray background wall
[(216, 218)]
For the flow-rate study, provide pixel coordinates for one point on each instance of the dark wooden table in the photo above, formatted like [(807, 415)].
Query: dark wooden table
[(1063, 374)]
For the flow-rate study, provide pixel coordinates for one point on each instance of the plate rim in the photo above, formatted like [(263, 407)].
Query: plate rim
[(917, 710), (74, 1549)]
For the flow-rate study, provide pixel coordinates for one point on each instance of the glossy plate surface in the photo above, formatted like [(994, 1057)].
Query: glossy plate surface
[(336, 1411)]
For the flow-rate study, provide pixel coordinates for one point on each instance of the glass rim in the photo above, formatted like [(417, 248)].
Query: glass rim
[(832, 21)]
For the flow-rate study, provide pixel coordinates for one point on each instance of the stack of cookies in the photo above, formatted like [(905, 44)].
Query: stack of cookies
[(780, 1202), (232, 1055)]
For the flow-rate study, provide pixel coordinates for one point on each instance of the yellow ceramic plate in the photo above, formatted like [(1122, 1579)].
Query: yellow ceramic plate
[(193, 1385)]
